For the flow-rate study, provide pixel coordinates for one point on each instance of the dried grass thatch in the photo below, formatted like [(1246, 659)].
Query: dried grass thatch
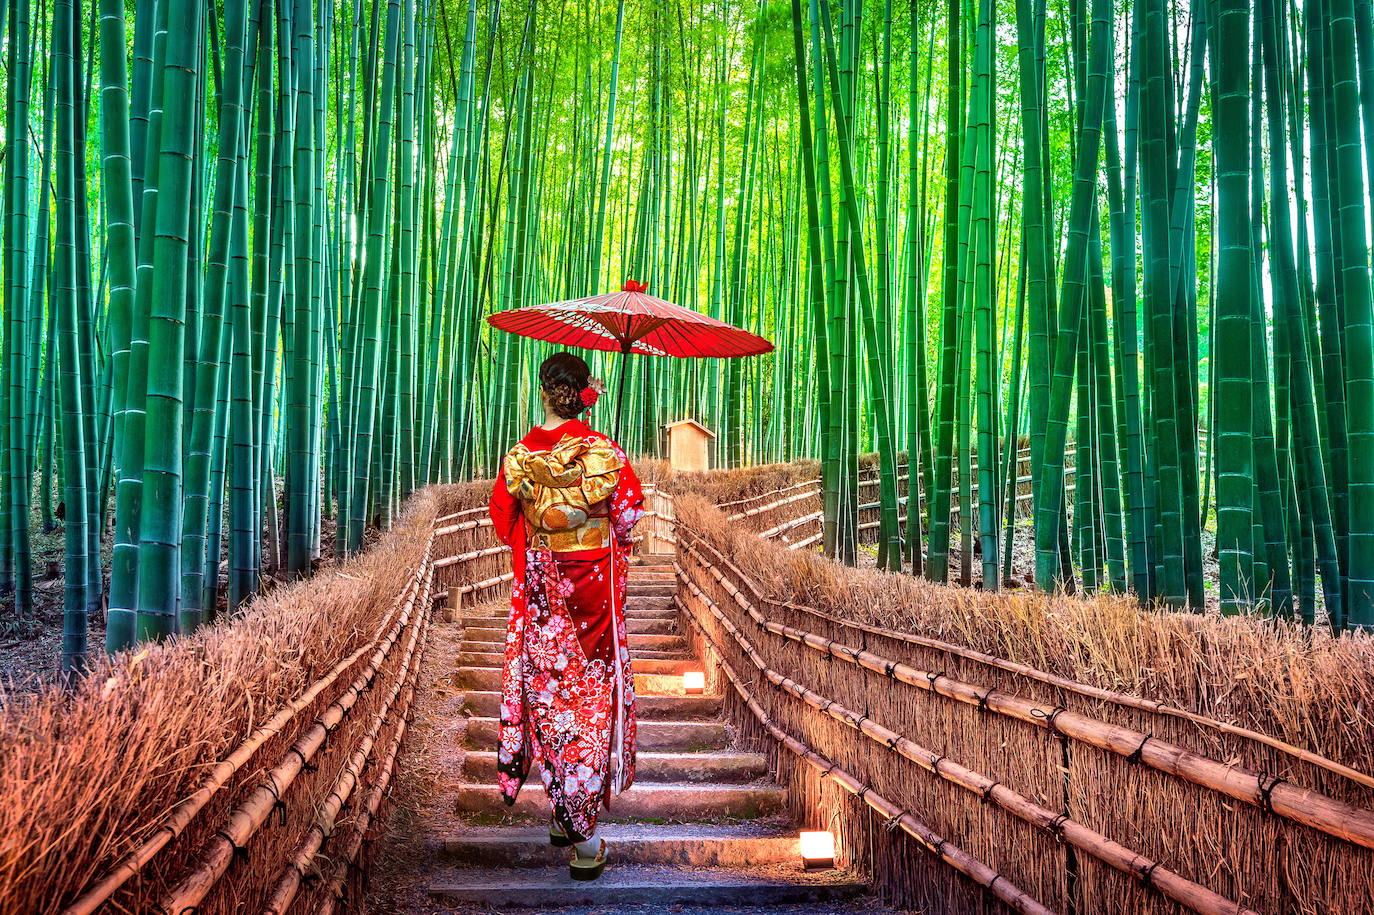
[(1301, 691)]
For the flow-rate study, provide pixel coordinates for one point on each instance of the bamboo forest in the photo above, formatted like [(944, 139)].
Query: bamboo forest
[(1086, 281)]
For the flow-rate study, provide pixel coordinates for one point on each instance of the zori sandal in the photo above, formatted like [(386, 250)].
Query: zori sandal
[(580, 868), (557, 837)]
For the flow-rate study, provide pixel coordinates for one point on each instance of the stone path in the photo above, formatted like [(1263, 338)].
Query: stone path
[(702, 830)]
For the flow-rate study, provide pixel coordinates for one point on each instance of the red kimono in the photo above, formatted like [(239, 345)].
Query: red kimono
[(565, 501)]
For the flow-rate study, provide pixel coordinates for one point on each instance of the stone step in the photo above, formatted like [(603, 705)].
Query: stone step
[(645, 662), (683, 736), (648, 605), (646, 684), (650, 590), (645, 800), (692, 845), (659, 608), (486, 703), (543, 889), (663, 623), (724, 767), (662, 642)]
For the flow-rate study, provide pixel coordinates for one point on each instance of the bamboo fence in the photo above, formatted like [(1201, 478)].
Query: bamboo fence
[(1088, 755), (246, 768)]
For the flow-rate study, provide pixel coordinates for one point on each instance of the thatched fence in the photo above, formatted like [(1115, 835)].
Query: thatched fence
[(243, 769), (1034, 752)]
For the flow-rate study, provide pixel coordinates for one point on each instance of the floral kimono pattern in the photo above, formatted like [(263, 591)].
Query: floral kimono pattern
[(565, 501)]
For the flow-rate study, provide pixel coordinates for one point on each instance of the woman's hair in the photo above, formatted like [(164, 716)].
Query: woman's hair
[(563, 376)]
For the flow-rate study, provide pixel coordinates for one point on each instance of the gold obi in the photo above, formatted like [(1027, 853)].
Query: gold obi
[(561, 489)]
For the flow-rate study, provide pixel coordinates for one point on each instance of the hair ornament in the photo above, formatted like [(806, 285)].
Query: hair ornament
[(592, 391)]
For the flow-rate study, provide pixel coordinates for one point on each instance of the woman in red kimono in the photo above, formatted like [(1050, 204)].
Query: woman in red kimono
[(565, 501)]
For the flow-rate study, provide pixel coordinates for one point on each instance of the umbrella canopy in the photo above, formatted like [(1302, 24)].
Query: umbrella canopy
[(630, 321)]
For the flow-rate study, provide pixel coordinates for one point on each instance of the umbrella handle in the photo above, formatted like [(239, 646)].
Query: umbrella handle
[(620, 397)]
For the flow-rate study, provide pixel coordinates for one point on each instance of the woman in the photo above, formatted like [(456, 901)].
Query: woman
[(565, 501)]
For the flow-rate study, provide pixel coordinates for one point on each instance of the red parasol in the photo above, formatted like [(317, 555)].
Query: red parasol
[(630, 321)]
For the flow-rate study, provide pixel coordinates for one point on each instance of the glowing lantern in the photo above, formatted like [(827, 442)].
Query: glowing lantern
[(818, 850), (694, 682)]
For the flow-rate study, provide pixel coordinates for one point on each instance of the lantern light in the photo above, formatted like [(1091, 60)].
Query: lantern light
[(818, 850), (694, 682)]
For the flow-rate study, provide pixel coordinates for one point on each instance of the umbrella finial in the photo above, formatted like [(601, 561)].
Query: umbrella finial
[(633, 286)]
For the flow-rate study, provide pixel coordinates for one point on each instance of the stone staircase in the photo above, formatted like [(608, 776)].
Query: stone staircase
[(702, 828)]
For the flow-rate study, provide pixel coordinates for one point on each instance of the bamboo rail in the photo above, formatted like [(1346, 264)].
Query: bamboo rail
[(447, 561), (973, 868), (462, 526), (764, 495), (1267, 792), (1151, 873), (447, 519), (790, 525), (186, 811), (245, 820), (739, 516), (344, 784), (1083, 689), (348, 859)]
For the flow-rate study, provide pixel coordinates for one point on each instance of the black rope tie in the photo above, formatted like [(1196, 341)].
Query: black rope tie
[(939, 848), (892, 743), (1056, 826), (986, 791), (983, 701), (1135, 754), (240, 852), (891, 670), (1147, 874), (893, 822), (935, 760), (993, 881), (279, 806), (1266, 791), (1049, 718), (932, 678)]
